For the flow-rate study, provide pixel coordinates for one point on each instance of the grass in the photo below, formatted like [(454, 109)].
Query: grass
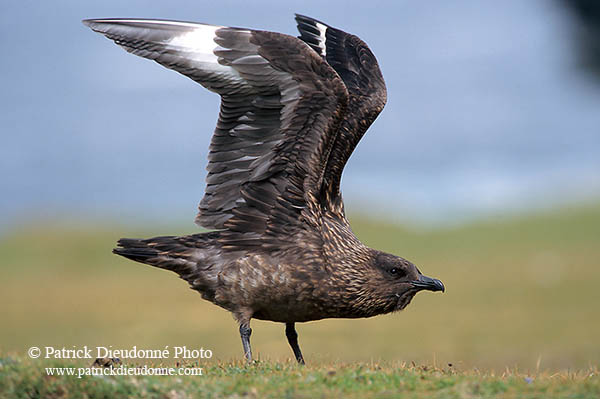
[(26, 379), (522, 295)]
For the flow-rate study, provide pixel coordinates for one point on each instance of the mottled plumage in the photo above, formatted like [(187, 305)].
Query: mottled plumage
[(292, 111)]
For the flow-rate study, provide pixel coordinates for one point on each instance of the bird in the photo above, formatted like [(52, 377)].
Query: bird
[(278, 245)]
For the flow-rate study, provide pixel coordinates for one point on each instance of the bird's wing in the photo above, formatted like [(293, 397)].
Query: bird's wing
[(281, 107), (358, 68)]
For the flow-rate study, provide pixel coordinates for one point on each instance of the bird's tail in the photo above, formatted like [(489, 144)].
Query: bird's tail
[(193, 257)]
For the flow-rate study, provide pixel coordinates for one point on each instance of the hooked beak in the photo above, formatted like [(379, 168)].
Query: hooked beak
[(428, 283)]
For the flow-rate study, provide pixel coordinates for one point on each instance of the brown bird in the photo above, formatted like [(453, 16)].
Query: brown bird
[(292, 111)]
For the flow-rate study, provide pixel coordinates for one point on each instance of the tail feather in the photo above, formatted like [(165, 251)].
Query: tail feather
[(195, 257), (179, 254), (164, 252), (135, 249)]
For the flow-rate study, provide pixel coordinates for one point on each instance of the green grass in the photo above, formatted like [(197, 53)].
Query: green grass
[(26, 379), (522, 295)]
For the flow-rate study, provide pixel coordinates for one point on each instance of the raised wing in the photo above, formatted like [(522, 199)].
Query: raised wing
[(281, 108), (358, 68)]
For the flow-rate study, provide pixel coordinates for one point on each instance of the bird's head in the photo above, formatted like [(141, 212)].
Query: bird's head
[(400, 280)]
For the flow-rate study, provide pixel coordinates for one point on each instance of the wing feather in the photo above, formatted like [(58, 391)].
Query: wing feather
[(281, 109), (356, 65)]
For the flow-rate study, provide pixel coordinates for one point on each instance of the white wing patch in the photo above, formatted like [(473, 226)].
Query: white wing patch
[(198, 46), (183, 46), (322, 38), (200, 41)]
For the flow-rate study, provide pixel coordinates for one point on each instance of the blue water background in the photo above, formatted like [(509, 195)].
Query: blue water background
[(488, 111)]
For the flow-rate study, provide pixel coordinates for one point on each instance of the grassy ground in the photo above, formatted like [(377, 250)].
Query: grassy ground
[(522, 293), (24, 379)]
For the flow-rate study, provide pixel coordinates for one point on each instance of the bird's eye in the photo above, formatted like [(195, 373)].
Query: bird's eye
[(397, 272)]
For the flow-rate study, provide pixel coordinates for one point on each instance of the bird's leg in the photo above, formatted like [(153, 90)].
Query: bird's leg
[(292, 336), (245, 332)]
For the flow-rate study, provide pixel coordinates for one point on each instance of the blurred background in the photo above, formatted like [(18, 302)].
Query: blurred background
[(483, 169)]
